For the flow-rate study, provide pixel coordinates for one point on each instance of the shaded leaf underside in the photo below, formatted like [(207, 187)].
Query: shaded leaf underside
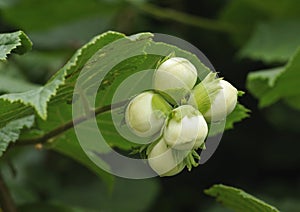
[(281, 83)]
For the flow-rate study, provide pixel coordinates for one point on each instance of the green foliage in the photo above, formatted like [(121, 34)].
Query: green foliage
[(270, 33), (69, 24), (238, 200), (11, 132), (17, 42), (247, 15), (36, 109), (240, 14), (270, 86), (238, 114), (68, 145), (48, 12), (36, 104), (51, 101), (38, 98), (56, 182), (282, 8), (274, 41)]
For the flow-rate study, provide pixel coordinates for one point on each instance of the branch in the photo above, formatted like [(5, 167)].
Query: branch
[(6, 201), (70, 124), (173, 15)]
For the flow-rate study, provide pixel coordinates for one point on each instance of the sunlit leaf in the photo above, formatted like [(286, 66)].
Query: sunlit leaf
[(238, 200), (38, 98), (17, 42)]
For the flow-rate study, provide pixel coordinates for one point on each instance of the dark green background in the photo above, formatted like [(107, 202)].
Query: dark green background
[(261, 155)]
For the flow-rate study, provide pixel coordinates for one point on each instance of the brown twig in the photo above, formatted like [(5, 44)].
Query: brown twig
[(70, 124)]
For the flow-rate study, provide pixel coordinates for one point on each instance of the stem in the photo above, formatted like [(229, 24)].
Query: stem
[(173, 15), (70, 124), (7, 203)]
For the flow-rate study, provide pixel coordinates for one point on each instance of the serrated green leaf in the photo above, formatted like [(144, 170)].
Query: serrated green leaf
[(238, 200), (17, 42), (270, 86), (11, 132), (60, 109), (39, 98), (274, 41)]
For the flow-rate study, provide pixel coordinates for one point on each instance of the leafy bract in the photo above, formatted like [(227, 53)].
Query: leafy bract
[(238, 114), (274, 41), (11, 132), (17, 42), (281, 83), (238, 200)]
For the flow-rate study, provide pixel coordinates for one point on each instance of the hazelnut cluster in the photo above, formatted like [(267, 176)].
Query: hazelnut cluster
[(178, 110)]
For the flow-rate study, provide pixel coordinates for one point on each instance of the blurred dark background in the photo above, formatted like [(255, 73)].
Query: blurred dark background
[(260, 155)]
